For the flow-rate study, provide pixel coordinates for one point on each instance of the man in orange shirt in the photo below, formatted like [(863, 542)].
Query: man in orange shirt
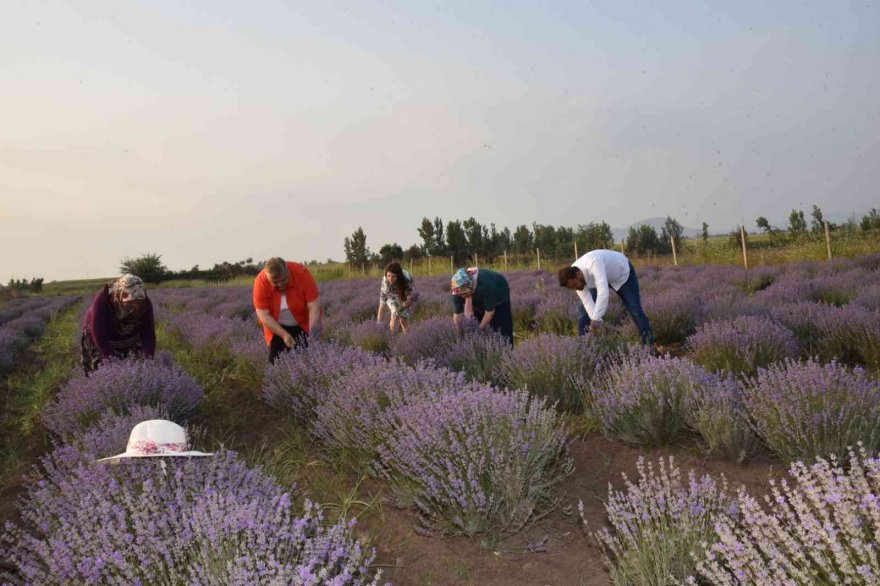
[(288, 305)]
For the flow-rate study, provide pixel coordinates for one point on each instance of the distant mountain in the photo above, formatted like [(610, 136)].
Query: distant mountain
[(657, 223)]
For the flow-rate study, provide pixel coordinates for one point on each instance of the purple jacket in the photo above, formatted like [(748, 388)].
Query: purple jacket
[(112, 336)]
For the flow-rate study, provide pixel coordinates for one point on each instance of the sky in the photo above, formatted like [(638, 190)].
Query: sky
[(222, 130)]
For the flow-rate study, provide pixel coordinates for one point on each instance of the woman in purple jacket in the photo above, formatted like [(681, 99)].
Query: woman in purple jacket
[(119, 324)]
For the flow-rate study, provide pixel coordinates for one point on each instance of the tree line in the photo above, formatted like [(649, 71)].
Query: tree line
[(469, 239)]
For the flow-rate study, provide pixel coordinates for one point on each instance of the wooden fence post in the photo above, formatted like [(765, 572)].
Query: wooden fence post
[(827, 241), (622, 250), (363, 270), (576, 250), (476, 259), (538, 251), (452, 263), (674, 255), (742, 239), (505, 260)]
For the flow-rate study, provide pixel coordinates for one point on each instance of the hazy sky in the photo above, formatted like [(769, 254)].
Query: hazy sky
[(211, 131)]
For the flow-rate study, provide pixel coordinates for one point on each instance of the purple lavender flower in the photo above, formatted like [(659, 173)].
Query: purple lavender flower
[(820, 528), (742, 345), (176, 520), (297, 380), (644, 400), (803, 410), (659, 523), (557, 367), (120, 386), (482, 461)]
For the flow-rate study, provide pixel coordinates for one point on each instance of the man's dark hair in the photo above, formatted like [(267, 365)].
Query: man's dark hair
[(566, 274)]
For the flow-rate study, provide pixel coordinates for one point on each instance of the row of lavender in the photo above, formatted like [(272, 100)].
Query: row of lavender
[(470, 457), (22, 321), (205, 521), (820, 525)]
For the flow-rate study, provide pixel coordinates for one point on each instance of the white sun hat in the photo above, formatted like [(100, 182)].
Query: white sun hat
[(156, 438)]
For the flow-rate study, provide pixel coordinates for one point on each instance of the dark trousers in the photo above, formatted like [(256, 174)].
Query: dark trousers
[(502, 320), (277, 345), (632, 300)]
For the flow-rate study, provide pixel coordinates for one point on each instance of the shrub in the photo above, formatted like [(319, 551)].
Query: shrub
[(298, 379), (176, 520), (822, 528), (481, 461), (371, 336), (119, 386), (850, 334), (807, 409), (477, 354), (559, 368), (658, 523), (424, 339), (674, 315), (643, 400), (741, 345), (718, 413)]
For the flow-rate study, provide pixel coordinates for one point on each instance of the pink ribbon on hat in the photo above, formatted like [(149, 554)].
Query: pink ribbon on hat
[(151, 448)]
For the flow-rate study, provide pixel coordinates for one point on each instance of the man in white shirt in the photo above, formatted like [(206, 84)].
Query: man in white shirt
[(591, 276)]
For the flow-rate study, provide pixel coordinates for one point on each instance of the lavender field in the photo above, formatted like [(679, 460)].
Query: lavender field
[(496, 465)]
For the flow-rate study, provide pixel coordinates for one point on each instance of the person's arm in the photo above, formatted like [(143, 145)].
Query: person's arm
[(148, 331), (457, 312), (487, 318), (381, 312), (266, 318), (101, 316), (600, 278), (315, 317)]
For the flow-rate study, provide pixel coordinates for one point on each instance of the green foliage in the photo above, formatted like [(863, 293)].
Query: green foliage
[(35, 285), (390, 252), (671, 230), (817, 224), (594, 236), (763, 224), (871, 220), (147, 266), (355, 247), (643, 240), (797, 225)]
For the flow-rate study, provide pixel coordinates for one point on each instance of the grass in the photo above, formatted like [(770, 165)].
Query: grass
[(46, 365)]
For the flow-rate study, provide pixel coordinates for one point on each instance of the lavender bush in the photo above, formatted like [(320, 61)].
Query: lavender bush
[(174, 521), (717, 412), (297, 380), (803, 410), (659, 522), (557, 367), (371, 336), (644, 400), (119, 386), (850, 334), (674, 316), (741, 345), (355, 414), (479, 462), (822, 528), (424, 339), (477, 354)]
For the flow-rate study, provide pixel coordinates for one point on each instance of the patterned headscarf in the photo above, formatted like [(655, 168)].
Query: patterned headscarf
[(461, 282), (126, 288)]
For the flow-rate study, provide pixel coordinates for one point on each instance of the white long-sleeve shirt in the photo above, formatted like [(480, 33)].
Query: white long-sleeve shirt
[(601, 268)]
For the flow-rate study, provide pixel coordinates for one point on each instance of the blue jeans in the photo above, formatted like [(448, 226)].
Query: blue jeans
[(632, 300)]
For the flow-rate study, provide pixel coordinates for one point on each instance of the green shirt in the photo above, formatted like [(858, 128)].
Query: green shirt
[(492, 290)]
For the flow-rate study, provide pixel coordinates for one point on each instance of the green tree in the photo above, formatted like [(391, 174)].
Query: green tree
[(456, 241), (522, 240), (390, 252), (797, 225), (412, 253), (763, 224), (476, 235), (148, 267), (428, 235), (871, 220), (593, 236), (705, 232), (817, 224), (671, 230), (643, 239), (355, 247)]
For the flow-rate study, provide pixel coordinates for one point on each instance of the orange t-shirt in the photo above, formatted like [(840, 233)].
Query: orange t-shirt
[(301, 291)]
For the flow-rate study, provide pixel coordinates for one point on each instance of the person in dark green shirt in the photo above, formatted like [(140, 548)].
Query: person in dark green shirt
[(484, 295)]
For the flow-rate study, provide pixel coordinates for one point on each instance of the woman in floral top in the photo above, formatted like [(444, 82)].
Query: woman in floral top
[(397, 294)]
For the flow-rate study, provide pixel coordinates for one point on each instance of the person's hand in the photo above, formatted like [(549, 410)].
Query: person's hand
[(316, 330), (595, 326), (288, 339)]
